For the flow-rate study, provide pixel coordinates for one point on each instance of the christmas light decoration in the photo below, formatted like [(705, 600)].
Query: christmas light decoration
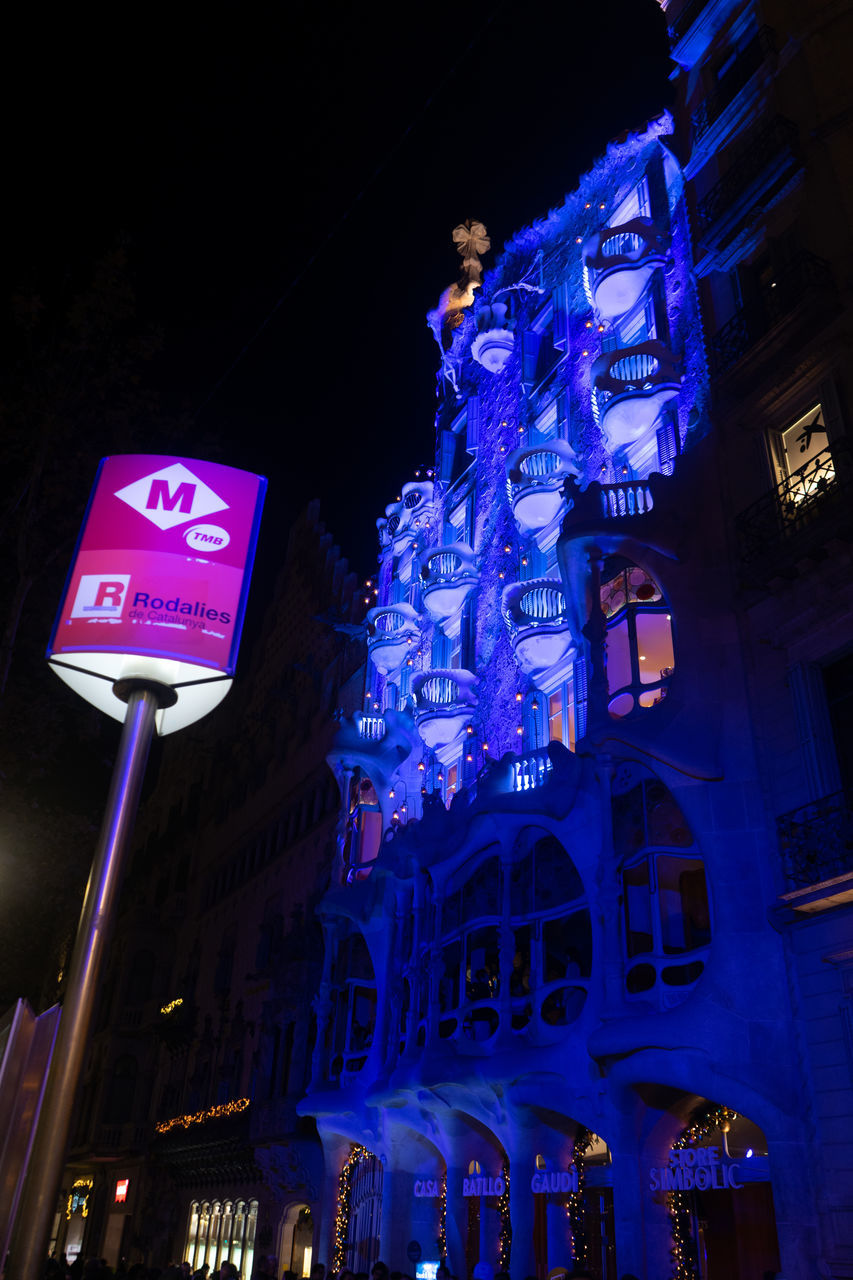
[(584, 1139), (704, 1120), (505, 1239), (442, 1221), (81, 1189), (198, 1117), (342, 1213), (171, 1006)]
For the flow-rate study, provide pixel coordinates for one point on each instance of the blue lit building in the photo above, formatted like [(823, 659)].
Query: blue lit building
[(584, 998), (557, 968)]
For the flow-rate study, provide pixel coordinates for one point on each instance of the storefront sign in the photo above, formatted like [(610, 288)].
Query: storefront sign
[(483, 1186), (699, 1167), (567, 1180), (426, 1188), (121, 1190), (158, 585)]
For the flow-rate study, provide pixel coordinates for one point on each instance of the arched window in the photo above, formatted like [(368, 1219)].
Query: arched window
[(364, 828), (544, 909), (640, 658), (665, 895)]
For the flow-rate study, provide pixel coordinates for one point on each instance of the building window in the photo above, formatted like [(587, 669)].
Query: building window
[(218, 1233), (353, 1016), (640, 658), (546, 972), (363, 829), (665, 896), (801, 458)]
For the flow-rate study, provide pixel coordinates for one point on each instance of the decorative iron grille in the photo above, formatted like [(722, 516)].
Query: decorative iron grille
[(750, 59), (803, 275), (779, 136), (791, 510), (816, 840)]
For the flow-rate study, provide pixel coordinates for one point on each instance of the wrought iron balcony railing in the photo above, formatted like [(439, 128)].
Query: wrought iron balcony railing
[(804, 276), (782, 518), (764, 152), (816, 840), (743, 69)]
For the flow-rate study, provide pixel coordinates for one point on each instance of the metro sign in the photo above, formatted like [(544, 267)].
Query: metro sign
[(162, 597), (171, 496)]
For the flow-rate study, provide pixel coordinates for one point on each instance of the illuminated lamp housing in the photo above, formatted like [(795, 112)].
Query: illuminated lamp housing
[(621, 262), (631, 387), (495, 339), (448, 574), (444, 705), (537, 619), (535, 477), (392, 631)]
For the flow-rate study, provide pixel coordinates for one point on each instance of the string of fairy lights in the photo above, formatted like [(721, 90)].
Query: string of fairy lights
[(505, 1240), (705, 1120), (342, 1213), (198, 1117), (584, 1139), (442, 1221)]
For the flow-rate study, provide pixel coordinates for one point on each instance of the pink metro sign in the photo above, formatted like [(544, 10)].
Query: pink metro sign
[(158, 586)]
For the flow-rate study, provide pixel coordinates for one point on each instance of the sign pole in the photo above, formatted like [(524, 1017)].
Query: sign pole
[(35, 1216)]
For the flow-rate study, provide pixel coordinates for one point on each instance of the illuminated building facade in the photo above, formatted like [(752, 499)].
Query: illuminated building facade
[(586, 994), (584, 988)]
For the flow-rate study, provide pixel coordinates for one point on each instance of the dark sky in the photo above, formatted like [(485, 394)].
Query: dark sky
[(286, 181), (304, 166)]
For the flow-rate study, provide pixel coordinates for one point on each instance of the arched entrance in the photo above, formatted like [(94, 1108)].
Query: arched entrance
[(717, 1188), (296, 1240)]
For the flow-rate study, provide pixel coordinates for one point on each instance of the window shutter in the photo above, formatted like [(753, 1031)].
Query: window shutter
[(580, 694), (473, 424), (448, 453), (667, 446), (561, 318), (831, 410)]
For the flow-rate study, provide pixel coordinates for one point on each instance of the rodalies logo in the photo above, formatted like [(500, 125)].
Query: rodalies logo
[(100, 595), (171, 496)]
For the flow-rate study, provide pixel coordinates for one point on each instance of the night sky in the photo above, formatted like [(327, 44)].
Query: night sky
[(299, 172), (285, 183)]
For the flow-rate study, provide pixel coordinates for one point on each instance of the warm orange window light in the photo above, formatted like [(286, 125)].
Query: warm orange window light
[(121, 1190)]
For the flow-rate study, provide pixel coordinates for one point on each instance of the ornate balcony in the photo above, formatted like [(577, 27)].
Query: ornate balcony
[(630, 389), (392, 630), (621, 261), (537, 619), (813, 503), (806, 278), (760, 47), (816, 840), (444, 705), (495, 339), (406, 520), (449, 574), (766, 162), (535, 479)]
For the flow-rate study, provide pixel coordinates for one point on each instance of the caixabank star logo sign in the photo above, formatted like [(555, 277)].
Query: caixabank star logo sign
[(171, 496)]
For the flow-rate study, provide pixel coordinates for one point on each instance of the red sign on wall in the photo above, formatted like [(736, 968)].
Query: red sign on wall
[(121, 1190)]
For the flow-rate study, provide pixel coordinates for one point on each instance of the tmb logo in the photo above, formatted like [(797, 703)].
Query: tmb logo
[(171, 496), (100, 595)]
